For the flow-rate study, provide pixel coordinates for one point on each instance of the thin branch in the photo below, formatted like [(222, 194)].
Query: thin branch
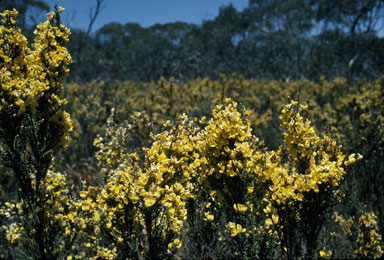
[(359, 16), (93, 13)]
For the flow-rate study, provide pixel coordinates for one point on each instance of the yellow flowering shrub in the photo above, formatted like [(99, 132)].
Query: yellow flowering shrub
[(145, 204), (33, 127), (222, 163), (227, 158), (140, 210), (302, 183), (213, 175)]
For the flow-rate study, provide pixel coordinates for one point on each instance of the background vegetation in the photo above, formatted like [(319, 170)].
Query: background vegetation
[(268, 39)]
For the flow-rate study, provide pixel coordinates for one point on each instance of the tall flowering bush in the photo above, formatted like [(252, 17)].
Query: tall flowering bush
[(140, 209), (33, 127), (303, 180)]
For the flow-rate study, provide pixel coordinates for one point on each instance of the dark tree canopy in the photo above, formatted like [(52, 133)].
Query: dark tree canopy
[(268, 39)]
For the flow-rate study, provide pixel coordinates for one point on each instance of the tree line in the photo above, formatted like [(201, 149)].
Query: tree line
[(268, 39)]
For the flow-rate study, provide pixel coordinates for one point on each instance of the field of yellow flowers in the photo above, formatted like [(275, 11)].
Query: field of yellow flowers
[(206, 169)]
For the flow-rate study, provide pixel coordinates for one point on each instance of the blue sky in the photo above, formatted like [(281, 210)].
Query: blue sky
[(144, 12)]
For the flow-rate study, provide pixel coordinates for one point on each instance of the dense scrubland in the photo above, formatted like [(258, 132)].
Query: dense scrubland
[(205, 168)]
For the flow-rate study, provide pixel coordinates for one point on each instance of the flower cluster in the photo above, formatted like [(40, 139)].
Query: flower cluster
[(11, 211), (369, 242), (13, 61), (362, 234), (345, 224), (32, 78)]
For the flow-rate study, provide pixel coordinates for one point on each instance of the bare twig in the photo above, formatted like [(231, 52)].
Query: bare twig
[(93, 13)]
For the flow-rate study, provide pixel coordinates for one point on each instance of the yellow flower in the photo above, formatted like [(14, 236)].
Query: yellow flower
[(275, 218), (359, 157), (351, 160), (268, 222), (240, 207), (176, 243), (149, 201), (208, 216), (235, 229), (67, 231)]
